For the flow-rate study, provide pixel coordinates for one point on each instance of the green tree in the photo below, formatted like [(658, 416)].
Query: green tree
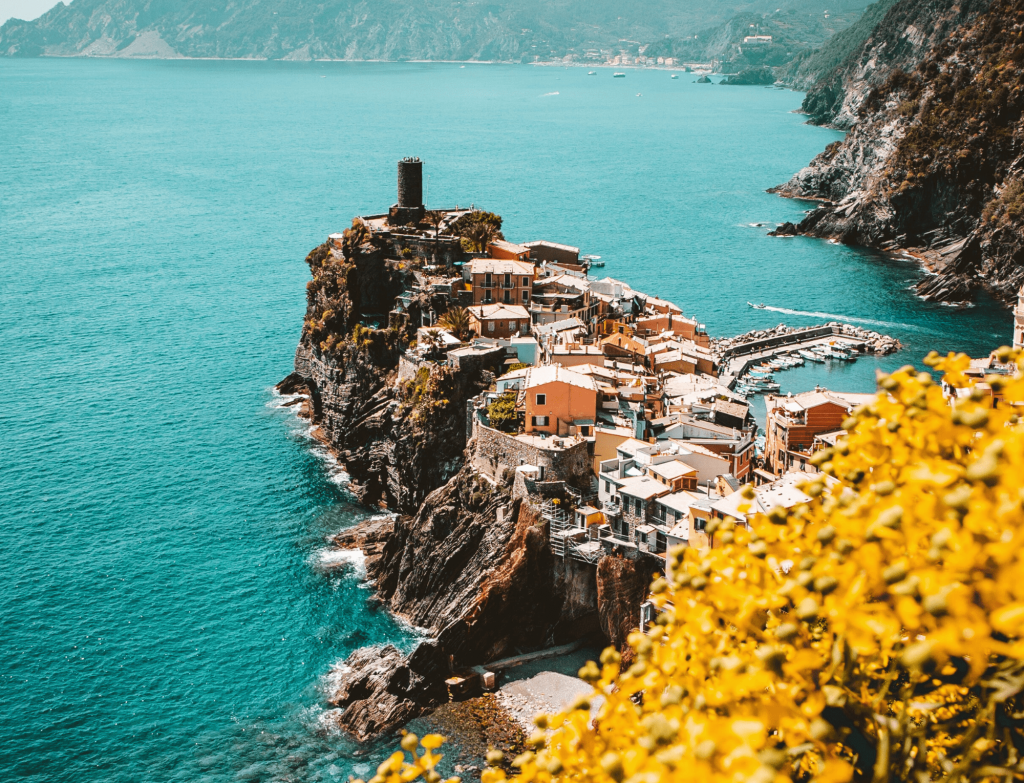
[(456, 321), (502, 412)]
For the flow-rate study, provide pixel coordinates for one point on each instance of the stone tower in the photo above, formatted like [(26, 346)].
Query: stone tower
[(1018, 320), (409, 208)]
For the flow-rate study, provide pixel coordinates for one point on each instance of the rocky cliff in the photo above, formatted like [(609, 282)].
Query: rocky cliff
[(399, 440), (474, 568), (933, 163)]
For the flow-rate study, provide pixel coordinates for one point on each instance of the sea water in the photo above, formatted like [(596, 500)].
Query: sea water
[(168, 614)]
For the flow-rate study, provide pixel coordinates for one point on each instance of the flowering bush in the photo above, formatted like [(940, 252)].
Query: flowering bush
[(875, 633)]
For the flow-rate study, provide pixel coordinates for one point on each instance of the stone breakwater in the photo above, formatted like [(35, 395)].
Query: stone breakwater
[(874, 342)]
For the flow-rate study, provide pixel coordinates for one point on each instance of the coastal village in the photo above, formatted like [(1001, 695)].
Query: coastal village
[(609, 412), (612, 396)]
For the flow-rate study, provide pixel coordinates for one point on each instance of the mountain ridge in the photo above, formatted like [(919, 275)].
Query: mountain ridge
[(522, 31)]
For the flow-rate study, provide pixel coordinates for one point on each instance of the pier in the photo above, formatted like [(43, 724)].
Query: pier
[(737, 355)]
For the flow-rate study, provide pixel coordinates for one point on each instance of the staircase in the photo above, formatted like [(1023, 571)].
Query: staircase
[(558, 521)]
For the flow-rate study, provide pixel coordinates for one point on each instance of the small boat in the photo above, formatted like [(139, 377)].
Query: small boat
[(618, 75), (772, 387), (760, 306), (593, 260), (591, 73), (811, 356), (675, 76)]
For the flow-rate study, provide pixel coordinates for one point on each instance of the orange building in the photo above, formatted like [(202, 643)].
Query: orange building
[(622, 346), (793, 422), (686, 328), (508, 251), (499, 320), (559, 401), (504, 281)]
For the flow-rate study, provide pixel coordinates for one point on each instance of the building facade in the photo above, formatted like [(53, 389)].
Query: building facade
[(500, 281)]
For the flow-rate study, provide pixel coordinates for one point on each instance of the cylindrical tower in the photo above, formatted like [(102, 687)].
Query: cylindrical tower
[(410, 182)]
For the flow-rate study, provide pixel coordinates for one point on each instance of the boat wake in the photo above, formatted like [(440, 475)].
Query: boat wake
[(843, 318)]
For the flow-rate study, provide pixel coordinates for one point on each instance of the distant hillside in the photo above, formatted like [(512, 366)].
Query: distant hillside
[(794, 32), (523, 31), (813, 65)]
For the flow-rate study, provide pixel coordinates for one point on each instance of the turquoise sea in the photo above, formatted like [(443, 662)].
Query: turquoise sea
[(166, 611)]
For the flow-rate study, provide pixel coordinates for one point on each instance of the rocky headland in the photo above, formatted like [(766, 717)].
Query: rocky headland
[(462, 556), (933, 163)]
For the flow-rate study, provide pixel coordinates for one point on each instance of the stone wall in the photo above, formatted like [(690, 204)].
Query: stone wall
[(494, 451), (449, 249)]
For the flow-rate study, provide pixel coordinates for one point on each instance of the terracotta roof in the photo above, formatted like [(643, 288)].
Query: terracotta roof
[(643, 487), (545, 243), (511, 247), (556, 373), (500, 266), (499, 311)]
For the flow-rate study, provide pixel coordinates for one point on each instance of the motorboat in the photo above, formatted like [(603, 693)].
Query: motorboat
[(593, 260), (591, 73), (811, 356), (675, 76), (618, 75), (761, 306)]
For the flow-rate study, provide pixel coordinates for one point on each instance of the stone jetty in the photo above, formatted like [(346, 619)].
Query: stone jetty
[(874, 342)]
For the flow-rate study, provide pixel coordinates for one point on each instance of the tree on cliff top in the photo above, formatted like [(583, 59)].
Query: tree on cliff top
[(875, 633), (477, 230)]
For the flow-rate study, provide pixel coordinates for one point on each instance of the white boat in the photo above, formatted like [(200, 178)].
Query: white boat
[(593, 260), (592, 73), (811, 356), (760, 306), (675, 76), (618, 75)]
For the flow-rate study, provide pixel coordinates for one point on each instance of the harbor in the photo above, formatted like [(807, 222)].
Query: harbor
[(748, 362)]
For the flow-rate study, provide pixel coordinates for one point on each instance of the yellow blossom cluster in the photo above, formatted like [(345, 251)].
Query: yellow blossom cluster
[(875, 633), (421, 763)]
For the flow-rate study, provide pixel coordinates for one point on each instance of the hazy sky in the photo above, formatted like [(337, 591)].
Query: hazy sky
[(24, 9)]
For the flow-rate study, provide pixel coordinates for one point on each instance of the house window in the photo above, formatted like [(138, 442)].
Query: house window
[(542, 399), (526, 296), (490, 326), (487, 280), (540, 421), (512, 326), (508, 280), (526, 281), (508, 297), (607, 486)]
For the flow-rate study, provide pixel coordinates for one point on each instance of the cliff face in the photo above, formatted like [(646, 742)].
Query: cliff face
[(399, 440), (934, 161)]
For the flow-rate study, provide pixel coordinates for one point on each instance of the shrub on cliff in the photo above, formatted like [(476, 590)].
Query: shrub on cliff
[(502, 413), (874, 633)]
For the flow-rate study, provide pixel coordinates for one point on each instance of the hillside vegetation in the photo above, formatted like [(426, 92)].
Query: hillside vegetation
[(813, 65), (521, 31)]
